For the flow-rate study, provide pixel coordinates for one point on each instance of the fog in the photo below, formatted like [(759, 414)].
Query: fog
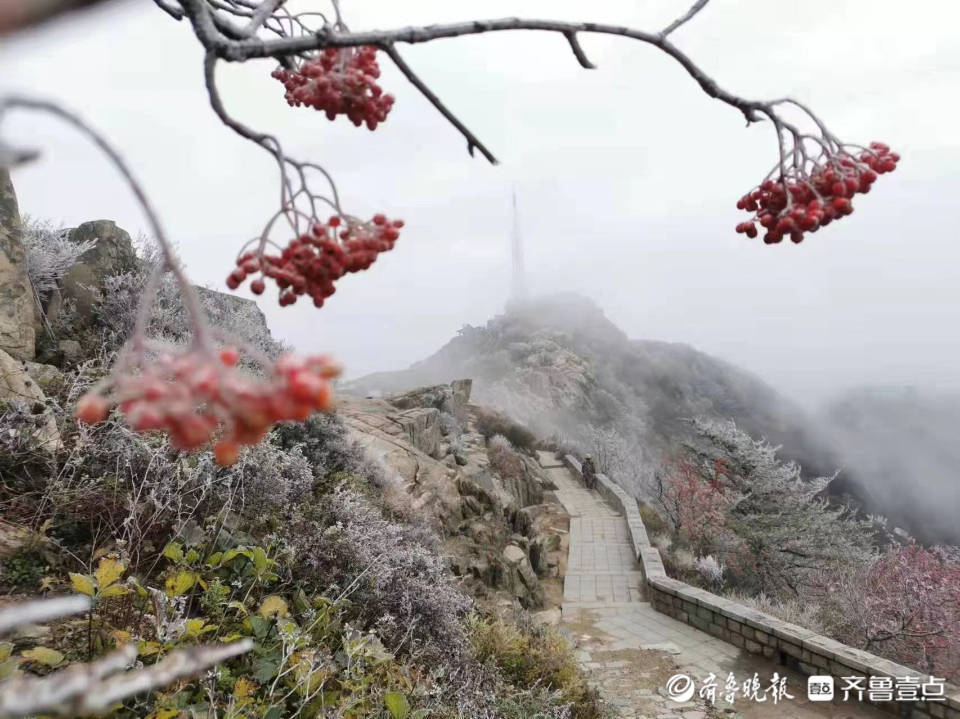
[(627, 177)]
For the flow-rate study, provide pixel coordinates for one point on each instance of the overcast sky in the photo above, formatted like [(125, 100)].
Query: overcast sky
[(627, 176)]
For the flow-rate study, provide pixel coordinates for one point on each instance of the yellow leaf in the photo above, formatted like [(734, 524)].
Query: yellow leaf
[(164, 714), (180, 584), (120, 637), (117, 590), (82, 583), (274, 606), (243, 687), (5, 649), (148, 649), (173, 552), (47, 583), (193, 627), (108, 571), (43, 655)]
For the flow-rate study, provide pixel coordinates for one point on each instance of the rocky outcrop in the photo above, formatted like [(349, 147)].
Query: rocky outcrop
[(18, 388), (16, 297), (113, 254), (503, 550)]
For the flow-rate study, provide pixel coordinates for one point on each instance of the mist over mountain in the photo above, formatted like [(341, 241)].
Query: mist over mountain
[(560, 366), (901, 452)]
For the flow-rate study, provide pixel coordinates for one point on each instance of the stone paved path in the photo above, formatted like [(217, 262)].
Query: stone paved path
[(630, 649)]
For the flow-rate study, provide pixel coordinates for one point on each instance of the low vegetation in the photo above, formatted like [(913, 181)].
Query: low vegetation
[(735, 519)]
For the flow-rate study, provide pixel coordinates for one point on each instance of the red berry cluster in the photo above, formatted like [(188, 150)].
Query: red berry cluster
[(340, 82), (196, 395), (794, 206), (311, 263)]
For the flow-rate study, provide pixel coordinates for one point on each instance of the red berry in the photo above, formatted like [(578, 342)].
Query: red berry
[(91, 408)]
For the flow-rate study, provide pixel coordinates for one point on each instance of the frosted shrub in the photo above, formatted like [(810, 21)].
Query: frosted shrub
[(710, 570), (797, 610), (392, 573), (49, 254), (450, 425)]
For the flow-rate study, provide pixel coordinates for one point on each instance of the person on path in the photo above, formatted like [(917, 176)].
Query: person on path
[(589, 472)]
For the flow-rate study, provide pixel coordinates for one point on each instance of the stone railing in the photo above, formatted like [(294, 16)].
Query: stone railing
[(760, 633)]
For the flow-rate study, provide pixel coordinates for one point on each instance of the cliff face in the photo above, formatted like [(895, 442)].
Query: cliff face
[(504, 535), (561, 367)]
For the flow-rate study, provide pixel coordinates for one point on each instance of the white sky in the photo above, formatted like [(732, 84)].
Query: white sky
[(627, 176)]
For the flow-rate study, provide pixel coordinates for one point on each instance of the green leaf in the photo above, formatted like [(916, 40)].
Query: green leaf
[(192, 556), (397, 704), (6, 648), (232, 554), (260, 626), (215, 559), (260, 561), (173, 552), (8, 668), (265, 669), (43, 655), (82, 583)]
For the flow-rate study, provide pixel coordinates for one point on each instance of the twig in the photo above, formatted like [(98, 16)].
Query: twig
[(473, 142), (578, 51), (694, 9)]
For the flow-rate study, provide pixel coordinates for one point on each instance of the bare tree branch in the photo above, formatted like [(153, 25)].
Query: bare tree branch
[(578, 51), (241, 50), (472, 141), (694, 9)]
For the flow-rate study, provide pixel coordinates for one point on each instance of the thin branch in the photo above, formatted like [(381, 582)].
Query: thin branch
[(578, 51), (261, 15), (171, 8), (694, 9), (241, 50), (473, 142)]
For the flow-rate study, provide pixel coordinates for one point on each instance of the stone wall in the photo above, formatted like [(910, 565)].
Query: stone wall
[(757, 632)]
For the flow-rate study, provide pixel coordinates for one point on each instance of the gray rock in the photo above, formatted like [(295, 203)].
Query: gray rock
[(71, 351), (514, 555), (461, 389), (17, 386), (47, 376), (17, 334), (113, 254), (422, 426)]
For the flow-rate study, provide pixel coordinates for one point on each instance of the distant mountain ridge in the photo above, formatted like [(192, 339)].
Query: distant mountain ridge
[(560, 366)]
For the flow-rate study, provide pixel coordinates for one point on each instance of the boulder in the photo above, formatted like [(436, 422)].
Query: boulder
[(513, 555), (16, 386), (113, 254), (461, 389), (17, 334), (47, 376), (422, 427)]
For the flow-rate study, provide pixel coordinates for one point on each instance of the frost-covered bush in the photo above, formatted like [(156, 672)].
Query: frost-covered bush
[(49, 254), (710, 570), (802, 611), (504, 459), (392, 573), (324, 442), (450, 425)]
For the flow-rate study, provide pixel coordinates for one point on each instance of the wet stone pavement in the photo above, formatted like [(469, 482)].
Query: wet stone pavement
[(631, 651)]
